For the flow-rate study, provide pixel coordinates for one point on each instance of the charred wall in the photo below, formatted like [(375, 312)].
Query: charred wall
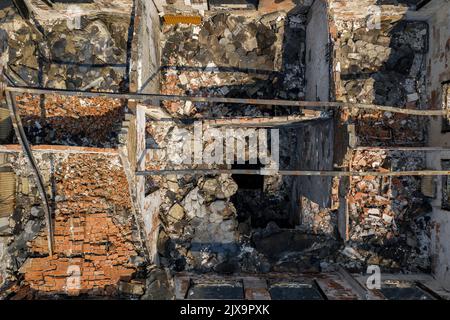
[(318, 53)]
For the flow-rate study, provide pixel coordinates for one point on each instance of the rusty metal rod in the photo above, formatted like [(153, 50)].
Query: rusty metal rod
[(21, 136), (248, 122), (296, 172), (270, 102), (422, 149)]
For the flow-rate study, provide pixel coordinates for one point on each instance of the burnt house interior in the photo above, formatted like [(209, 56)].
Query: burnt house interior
[(104, 110)]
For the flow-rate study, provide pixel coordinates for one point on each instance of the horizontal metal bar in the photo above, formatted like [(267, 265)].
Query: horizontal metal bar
[(14, 148), (272, 102), (424, 149), (295, 172)]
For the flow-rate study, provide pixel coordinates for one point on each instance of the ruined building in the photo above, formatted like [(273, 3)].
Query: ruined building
[(109, 108)]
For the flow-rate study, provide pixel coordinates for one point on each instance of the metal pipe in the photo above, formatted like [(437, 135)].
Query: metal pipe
[(294, 172), (21, 136), (272, 102)]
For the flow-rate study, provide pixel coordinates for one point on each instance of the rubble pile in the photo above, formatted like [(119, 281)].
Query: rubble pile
[(317, 220), (208, 221), (388, 215), (95, 55), (26, 221), (225, 40), (200, 226), (96, 248), (385, 128), (233, 56), (85, 54), (389, 223), (384, 66), (212, 225), (66, 120), (212, 59)]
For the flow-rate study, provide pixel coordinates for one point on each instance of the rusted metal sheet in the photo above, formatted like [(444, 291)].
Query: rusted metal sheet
[(177, 19), (335, 288), (7, 192)]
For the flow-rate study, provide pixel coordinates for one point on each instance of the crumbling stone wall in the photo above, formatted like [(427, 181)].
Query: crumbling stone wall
[(25, 222), (65, 54), (381, 59)]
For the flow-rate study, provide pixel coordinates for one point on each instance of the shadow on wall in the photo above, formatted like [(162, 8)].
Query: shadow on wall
[(5, 4)]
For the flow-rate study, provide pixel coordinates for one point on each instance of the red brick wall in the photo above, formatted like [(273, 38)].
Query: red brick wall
[(93, 231)]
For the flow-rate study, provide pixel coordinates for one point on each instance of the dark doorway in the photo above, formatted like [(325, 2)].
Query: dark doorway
[(246, 181)]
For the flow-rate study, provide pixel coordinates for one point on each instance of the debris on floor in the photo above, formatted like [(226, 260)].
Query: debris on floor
[(134, 214)]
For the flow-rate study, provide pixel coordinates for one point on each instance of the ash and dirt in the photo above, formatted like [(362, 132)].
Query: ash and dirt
[(95, 235), (226, 223), (388, 218), (234, 56), (64, 55)]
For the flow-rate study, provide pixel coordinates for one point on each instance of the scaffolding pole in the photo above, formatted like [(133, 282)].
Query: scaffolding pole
[(267, 102)]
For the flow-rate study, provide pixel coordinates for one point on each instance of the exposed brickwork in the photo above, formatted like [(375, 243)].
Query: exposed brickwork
[(389, 211), (93, 231)]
